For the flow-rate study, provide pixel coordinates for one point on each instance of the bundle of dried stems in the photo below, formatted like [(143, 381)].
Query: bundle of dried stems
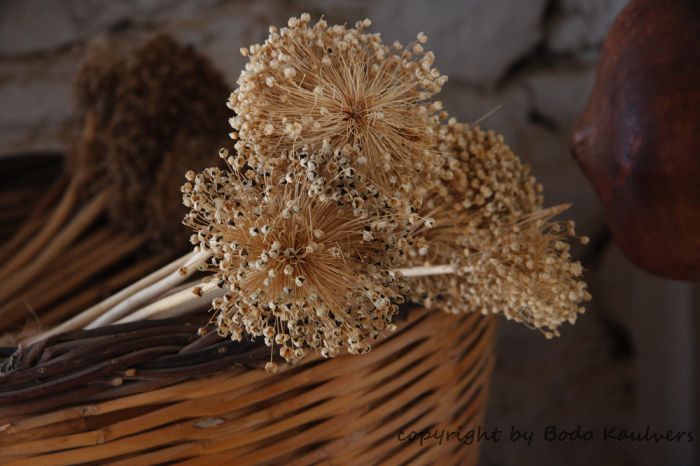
[(24, 197), (147, 116)]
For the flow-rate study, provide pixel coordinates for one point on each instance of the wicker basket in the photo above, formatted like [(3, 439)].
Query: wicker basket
[(155, 392)]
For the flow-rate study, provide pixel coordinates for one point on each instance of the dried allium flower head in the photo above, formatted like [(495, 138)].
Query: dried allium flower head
[(301, 266), (508, 256), (482, 175), (370, 102), (525, 272), (167, 114)]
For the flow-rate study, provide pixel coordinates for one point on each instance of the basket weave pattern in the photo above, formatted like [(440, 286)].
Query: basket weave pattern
[(432, 374)]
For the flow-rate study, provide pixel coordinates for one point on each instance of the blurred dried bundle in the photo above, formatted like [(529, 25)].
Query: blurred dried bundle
[(189, 153), (168, 113), (506, 255), (146, 115), (307, 86), (94, 90)]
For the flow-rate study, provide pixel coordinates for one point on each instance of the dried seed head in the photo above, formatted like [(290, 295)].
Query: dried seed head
[(316, 277), (271, 367), (341, 90), (489, 223)]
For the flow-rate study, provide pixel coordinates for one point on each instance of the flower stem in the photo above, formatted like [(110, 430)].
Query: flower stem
[(45, 235), (125, 306), (34, 222), (187, 300), (427, 270), (71, 272), (83, 297), (178, 303), (94, 312), (73, 230)]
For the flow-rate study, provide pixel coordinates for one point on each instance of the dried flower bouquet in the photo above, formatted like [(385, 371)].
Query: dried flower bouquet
[(349, 191)]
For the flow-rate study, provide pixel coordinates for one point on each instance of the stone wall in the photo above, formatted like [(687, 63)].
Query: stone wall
[(521, 67), (530, 62)]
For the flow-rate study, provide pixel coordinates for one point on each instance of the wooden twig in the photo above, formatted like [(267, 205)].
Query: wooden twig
[(210, 337), (76, 377), (256, 356), (136, 387), (208, 354), (78, 358)]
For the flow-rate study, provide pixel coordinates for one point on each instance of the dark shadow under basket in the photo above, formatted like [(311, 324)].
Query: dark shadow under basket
[(155, 392)]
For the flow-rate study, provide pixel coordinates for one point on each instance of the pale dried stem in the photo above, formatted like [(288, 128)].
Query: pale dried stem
[(94, 312), (73, 230), (34, 221), (178, 303), (79, 300), (45, 236), (186, 300), (133, 301), (427, 270)]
